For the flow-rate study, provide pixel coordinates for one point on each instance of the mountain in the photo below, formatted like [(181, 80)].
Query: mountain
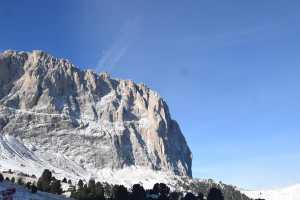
[(286, 193), (82, 124)]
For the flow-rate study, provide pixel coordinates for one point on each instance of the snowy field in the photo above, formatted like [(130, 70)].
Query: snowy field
[(23, 194), (287, 193)]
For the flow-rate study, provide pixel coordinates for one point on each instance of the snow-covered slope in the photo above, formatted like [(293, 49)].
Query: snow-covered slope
[(16, 156), (20, 158), (24, 194), (287, 193)]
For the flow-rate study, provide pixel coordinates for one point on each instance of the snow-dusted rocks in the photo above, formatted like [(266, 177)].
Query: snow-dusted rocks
[(82, 122)]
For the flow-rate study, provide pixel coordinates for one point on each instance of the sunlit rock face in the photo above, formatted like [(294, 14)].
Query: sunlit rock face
[(91, 119)]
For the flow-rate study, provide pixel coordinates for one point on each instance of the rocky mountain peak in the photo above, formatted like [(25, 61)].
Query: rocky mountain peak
[(92, 120)]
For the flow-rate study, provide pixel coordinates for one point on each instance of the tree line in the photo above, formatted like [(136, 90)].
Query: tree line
[(93, 190), (160, 191)]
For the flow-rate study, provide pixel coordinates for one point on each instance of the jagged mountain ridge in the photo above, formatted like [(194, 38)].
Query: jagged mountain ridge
[(92, 120)]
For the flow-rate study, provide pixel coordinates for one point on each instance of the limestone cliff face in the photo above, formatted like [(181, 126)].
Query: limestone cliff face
[(92, 119)]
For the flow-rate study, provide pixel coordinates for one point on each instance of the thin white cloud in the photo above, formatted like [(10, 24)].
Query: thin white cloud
[(111, 57)]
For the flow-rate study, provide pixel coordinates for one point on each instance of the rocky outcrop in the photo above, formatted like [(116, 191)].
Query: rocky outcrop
[(92, 119)]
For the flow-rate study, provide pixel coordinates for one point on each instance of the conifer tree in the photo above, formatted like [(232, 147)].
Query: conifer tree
[(99, 191), (120, 192), (55, 187), (190, 196), (138, 192), (28, 185), (175, 196), (33, 188), (44, 181), (13, 180), (80, 184), (1, 178), (20, 181), (200, 196), (215, 194)]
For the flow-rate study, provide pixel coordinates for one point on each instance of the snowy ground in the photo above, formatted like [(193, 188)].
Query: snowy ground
[(131, 175), (287, 193), (23, 194)]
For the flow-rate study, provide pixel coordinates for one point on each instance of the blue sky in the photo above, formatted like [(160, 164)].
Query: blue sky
[(229, 71)]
